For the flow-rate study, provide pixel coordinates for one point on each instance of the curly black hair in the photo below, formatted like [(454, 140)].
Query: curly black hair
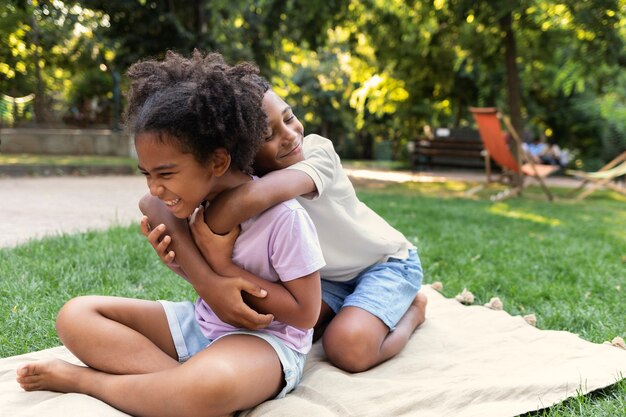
[(200, 101)]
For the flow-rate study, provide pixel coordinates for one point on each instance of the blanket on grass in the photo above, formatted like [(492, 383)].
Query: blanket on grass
[(463, 361)]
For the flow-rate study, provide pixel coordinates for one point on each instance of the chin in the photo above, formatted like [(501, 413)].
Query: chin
[(182, 214)]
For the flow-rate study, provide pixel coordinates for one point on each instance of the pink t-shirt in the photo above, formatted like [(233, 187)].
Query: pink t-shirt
[(279, 244)]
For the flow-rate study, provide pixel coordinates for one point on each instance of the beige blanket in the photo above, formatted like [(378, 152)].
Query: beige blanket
[(464, 361)]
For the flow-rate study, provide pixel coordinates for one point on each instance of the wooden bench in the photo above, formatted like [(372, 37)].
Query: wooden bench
[(460, 147)]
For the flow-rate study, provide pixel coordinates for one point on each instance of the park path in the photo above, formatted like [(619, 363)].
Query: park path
[(35, 207), (43, 206)]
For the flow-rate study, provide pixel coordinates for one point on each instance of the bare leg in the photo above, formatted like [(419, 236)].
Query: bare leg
[(117, 335), (234, 373), (355, 340)]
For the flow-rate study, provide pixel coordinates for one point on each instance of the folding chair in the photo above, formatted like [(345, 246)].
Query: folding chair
[(603, 178), (497, 149)]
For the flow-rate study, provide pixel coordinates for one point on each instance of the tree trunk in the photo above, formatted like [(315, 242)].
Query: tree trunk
[(459, 112), (202, 27), (40, 110), (513, 84), (117, 98)]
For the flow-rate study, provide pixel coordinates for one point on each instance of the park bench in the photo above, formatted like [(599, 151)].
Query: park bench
[(460, 147)]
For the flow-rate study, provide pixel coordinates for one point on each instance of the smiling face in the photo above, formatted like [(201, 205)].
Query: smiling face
[(176, 178), (283, 142)]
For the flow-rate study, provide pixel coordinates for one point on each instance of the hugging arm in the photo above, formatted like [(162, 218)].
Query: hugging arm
[(223, 294), (295, 302), (238, 204), (223, 215), (299, 306)]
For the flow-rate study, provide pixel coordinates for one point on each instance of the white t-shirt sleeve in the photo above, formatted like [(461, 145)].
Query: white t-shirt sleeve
[(321, 163), (295, 246)]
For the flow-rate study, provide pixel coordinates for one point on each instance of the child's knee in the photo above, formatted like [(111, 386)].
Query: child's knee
[(350, 349), (217, 391), (72, 313)]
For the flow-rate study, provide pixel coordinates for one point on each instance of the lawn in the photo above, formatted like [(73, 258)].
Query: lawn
[(64, 160), (565, 262)]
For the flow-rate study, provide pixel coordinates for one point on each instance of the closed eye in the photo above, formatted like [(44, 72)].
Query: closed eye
[(164, 175)]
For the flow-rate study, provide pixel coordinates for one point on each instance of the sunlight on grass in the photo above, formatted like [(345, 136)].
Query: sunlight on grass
[(618, 197), (440, 188), (456, 185), (503, 209)]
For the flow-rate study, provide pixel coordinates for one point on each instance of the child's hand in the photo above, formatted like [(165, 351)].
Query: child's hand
[(224, 296), (216, 249), (160, 244)]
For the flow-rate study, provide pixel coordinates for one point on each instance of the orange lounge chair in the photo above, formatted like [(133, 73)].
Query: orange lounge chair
[(497, 149), (603, 178)]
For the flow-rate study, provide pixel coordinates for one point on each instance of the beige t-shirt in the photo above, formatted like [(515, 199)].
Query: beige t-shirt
[(353, 237)]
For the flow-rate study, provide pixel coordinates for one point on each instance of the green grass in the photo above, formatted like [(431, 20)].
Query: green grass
[(375, 164), (40, 276), (65, 160), (565, 262)]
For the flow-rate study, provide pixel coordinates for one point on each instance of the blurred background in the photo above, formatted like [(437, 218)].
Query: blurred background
[(372, 75)]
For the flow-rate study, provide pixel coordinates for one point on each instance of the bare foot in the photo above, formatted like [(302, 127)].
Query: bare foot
[(419, 307), (51, 375)]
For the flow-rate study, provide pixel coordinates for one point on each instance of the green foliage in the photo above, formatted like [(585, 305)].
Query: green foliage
[(48, 43), (89, 83), (363, 72), (15, 55)]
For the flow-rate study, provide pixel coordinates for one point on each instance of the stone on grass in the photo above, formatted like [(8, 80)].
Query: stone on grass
[(465, 297), (495, 304), (618, 342), (531, 319)]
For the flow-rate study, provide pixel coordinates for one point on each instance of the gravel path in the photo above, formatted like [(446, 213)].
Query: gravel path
[(36, 207), (33, 207)]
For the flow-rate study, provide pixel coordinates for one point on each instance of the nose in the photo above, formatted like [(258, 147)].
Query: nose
[(288, 137), (156, 189)]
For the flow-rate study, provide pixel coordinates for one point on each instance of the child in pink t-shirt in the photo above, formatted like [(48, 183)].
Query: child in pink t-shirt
[(293, 252), (195, 137), (371, 281)]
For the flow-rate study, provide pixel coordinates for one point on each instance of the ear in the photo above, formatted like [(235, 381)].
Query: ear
[(221, 161)]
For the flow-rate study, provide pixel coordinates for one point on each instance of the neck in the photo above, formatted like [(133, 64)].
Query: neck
[(231, 179)]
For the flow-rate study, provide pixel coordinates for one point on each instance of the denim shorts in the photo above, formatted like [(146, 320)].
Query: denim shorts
[(385, 290), (189, 340)]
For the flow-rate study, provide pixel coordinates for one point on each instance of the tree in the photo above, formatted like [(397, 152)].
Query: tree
[(47, 43), (366, 72)]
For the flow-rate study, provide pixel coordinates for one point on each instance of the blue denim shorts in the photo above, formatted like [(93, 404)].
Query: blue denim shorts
[(385, 290), (189, 340)]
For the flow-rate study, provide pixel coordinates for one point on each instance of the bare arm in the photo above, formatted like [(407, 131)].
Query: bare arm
[(295, 302), (223, 294), (160, 242), (234, 206)]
